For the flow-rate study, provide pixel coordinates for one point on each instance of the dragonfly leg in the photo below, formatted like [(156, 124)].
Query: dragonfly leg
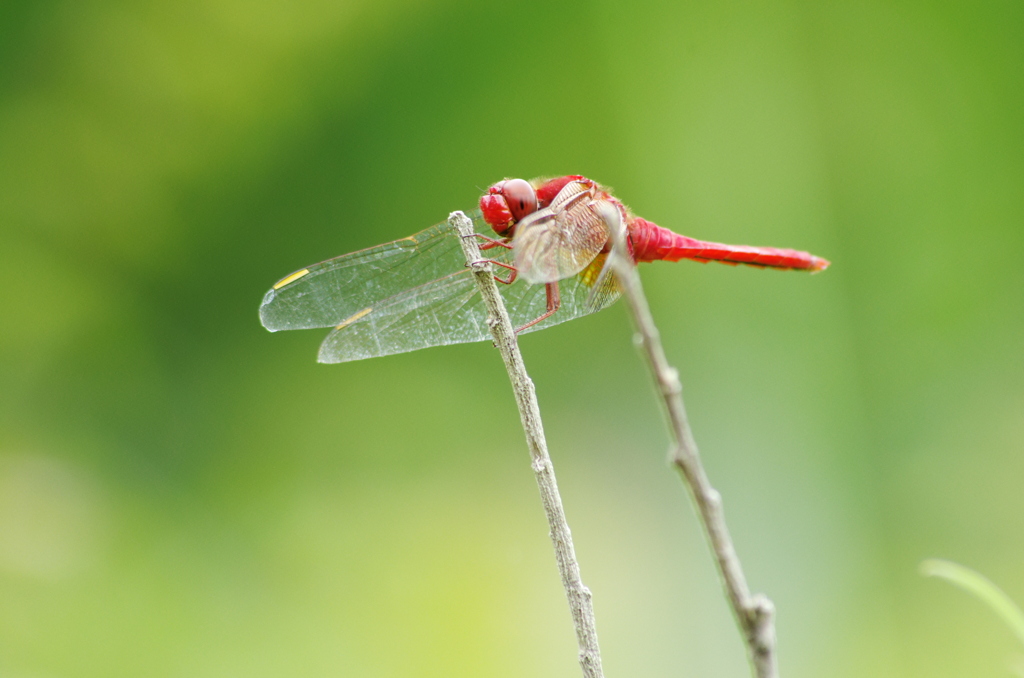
[(491, 243), (554, 301), (511, 276), (514, 273)]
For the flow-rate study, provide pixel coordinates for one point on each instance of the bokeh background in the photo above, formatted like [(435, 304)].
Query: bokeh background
[(185, 494)]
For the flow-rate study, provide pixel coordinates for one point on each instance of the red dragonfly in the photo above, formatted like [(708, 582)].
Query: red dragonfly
[(417, 292)]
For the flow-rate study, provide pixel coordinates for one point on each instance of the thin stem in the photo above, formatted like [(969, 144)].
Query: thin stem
[(755, 614), (983, 589), (580, 603)]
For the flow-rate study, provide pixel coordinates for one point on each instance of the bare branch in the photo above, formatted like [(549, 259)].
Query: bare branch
[(755, 614), (580, 603)]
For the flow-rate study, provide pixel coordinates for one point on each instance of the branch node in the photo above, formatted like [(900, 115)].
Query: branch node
[(761, 615), (671, 386)]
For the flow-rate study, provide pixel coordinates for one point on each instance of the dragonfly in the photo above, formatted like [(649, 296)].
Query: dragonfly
[(548, 236)]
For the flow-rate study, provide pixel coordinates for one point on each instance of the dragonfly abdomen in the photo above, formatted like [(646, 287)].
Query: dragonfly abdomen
[(652, 243)]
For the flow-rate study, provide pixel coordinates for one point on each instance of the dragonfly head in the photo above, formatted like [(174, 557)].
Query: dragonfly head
[(506, 202)]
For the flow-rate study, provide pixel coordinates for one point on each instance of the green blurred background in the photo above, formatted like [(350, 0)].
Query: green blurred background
[(185, 494)]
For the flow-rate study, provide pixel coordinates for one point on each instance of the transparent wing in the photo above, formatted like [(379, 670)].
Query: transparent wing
[(562, 239), (410, 294), (325, 294), (450, 311)]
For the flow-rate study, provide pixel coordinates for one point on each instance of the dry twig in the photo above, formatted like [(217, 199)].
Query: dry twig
[(755, 614), (579, 595)]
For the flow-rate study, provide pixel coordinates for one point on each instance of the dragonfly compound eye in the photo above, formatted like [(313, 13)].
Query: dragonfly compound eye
[(521, 198)]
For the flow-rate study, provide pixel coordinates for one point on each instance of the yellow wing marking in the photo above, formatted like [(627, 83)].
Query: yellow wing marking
[(592, 272), (352, 318), (292, 278)]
